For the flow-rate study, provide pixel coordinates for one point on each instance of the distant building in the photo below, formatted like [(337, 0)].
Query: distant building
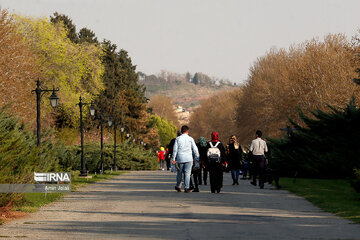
[(183, 115)]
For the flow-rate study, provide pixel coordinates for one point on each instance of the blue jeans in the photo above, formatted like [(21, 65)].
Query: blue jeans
[(183, 168), (235, 174)]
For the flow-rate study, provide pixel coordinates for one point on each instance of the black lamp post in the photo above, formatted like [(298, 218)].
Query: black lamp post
[(111, 122), (83, 171), (54, 102), (102, 140)]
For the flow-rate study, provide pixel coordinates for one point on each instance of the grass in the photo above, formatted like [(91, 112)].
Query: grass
[(33, 201), (332, 195)]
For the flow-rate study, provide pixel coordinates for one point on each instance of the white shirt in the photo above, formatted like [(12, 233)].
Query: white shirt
[(258, 147)]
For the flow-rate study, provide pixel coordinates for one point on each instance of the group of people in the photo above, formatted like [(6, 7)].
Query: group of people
[(190, 158)]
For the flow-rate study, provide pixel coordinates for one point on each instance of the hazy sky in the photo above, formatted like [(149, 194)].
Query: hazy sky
[(221, 38)]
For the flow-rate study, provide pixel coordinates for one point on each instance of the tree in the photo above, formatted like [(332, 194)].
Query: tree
[(322, 143), (68, 25), (305, 77), (75, 68), (167, 130), (164, 107), (195, 79), (123, 97), (18, 70), (216, 114), (86, 35)]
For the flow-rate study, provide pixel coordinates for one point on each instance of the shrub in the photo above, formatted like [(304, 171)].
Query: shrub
[(20, 157), (326, 148), (128, 155)]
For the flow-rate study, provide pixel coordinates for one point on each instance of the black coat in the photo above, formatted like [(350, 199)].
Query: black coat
[(170, 147), (235, 156), (203, 154)]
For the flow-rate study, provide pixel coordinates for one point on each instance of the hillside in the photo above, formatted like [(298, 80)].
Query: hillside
[(185, 89)]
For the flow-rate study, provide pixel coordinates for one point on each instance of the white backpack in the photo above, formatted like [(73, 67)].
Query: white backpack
[(213, 153)]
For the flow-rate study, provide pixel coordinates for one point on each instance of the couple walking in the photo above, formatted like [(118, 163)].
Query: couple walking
[(185, 152)]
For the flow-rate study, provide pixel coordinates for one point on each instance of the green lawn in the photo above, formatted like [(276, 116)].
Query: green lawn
[(335, 196), (33, 201)]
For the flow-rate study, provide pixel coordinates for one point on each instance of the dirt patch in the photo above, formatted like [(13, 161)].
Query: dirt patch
[(6, 214)]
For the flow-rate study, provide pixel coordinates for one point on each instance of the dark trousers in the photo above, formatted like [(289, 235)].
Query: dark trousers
[(258, 168), (216, 177), (245, 169), (197, 176), (205, 175), (168, 163)]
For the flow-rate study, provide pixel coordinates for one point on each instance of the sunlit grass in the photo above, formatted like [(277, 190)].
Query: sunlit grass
[(331, 195)]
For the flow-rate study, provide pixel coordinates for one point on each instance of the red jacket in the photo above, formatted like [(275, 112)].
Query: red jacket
[(162, 155)]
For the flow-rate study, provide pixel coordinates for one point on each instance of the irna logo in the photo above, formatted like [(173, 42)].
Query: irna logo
[(52, 177)]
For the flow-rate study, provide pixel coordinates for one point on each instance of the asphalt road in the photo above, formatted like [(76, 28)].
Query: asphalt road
[(144, 205)]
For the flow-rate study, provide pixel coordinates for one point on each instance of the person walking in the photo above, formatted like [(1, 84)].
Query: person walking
[(162, 158), (158, 158), (170, 147), (184, 149), (234, 159), (216, 157), (258, 148), (202, 146)]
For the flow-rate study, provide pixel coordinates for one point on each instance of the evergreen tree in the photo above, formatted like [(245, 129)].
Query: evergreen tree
[(326, 147), (71, 28), (195, 79), (86, 35), (123, 97)]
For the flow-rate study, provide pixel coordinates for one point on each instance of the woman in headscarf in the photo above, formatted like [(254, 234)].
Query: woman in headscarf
[(202, 146), (216, 157), (234, 158)]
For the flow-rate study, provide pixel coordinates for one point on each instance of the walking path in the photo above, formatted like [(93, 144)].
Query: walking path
[(144, 205)]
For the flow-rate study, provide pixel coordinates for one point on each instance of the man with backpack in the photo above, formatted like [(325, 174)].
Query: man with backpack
[(184, 149), (216, 158), (258, 148)]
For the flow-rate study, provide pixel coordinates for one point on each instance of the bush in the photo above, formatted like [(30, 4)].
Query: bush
[(355, 182), (20, 157), (128, 156), (326, 148)]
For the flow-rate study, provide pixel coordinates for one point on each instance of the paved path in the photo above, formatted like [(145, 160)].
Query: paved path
[(143, 205)]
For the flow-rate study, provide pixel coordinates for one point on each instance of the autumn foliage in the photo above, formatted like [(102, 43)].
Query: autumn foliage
[(308, 76), (164, 107), (18, 70)]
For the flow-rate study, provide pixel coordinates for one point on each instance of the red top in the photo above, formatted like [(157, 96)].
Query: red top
[(162, 155)]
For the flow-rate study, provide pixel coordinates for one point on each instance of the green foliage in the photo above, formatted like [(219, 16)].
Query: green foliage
[(75, 68), (326, 148), (86, 35), (355, 182), (167, 130), (68, 25), (123, 97), (128, 157), (19, 156)]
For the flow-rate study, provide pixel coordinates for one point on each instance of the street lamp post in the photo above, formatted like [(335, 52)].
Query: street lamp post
[(54, 101), (102, 141), (83, 171), (110, 122)]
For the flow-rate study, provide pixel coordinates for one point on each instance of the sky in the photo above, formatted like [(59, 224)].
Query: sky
[(221, 38)]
